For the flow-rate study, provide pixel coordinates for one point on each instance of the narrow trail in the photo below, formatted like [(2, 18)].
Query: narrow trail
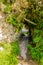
[(24, 58), (21, 61)]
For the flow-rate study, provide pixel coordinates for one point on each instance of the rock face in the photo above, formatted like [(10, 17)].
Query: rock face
[(6, 31)]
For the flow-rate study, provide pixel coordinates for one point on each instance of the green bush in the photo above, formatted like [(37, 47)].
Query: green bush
[(8, 54), (7, 8), (37, 51), (34, 53), (41, 61), (15, 48)]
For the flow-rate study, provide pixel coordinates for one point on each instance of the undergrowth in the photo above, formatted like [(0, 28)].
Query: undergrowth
[(8, 53), (37, 51)]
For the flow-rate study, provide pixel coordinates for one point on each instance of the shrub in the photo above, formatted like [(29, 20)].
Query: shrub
[(8, 54), (37, 51), (34, 53), (41, 61), (7, 9), (15, 48)]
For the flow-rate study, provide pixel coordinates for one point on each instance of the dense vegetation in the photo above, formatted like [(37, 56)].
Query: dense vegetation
[(8, 53), (32, 16)]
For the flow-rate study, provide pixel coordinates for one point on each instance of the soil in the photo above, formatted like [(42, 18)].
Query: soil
[(21, 61)]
